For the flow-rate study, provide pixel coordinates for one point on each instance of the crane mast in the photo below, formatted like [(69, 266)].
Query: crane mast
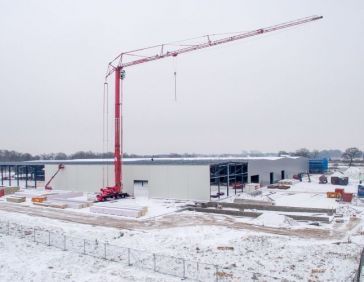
[(119, 63)]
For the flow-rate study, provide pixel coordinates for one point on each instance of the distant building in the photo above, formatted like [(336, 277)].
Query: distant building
[(318, 165)]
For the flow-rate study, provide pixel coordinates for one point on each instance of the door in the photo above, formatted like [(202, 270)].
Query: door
[(283, 176), (141, 189), (254, 179), (271, 178)]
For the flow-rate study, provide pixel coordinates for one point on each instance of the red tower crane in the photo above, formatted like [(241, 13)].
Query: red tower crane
[(122, 61)]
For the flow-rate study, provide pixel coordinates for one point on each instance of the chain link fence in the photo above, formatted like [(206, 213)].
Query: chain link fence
[(359, 273), (163, 264)]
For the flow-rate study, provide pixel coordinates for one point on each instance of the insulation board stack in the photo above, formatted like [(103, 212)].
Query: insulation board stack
[(16, 199), (253, 202), (64, 195), (288, 182), (74, 203), (33, 193), (250, 187), (40, 199), (10, 190), (52, 205), (129, 211)]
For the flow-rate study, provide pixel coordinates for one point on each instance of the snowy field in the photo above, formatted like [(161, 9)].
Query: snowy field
[(27, 261), (243, 254)]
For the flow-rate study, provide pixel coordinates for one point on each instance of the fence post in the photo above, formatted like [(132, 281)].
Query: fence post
[(184, 268), (49, 238), (216, 273), (198, 271), (84, 246), (34, 234), (129, 257), (105, 250), (64, 242), (8, 228), (154, 263)]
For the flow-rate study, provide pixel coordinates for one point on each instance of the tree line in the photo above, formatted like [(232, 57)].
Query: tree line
[(349, 154), (14, 156)]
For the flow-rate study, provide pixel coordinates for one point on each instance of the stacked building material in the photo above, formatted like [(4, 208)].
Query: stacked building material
[(10, 190), (40, 199), (73, 203), (250, 187), (333, 195), (52, 205), (64, 194), (16, 199), (335, 180), (252, 201), (278, 186), (288, 182), (34, 193), (129, 211)]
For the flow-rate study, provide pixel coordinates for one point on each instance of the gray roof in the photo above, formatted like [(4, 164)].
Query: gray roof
[(150, 161)]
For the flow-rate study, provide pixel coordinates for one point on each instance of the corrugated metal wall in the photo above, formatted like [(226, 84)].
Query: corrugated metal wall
[(166, 181), (191, 182), (264, 167)]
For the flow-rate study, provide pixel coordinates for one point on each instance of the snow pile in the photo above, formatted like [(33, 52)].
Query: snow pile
[(347, 211), (274, 220), (353, 173), (338, 174), (246, 196)]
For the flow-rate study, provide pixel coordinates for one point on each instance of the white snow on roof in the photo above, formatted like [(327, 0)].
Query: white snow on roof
[(168, 160)]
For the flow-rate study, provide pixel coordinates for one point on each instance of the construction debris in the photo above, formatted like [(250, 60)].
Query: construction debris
[(225, 248)]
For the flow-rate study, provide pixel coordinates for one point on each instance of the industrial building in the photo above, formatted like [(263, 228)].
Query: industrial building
[(174, 178)]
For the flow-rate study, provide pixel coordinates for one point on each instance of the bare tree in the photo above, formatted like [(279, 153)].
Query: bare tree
[(303, 153), (350, 154), (315, 154), (282, 153)]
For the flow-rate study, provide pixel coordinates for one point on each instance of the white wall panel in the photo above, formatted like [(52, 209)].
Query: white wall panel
[(164, 181)]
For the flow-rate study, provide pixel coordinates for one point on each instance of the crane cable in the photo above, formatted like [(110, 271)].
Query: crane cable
[(105, 131), (175, 79)]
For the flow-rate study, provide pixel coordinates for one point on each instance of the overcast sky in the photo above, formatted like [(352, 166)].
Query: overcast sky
[(300, 87)]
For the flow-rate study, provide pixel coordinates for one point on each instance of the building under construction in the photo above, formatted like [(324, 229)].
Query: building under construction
[(173, 178)]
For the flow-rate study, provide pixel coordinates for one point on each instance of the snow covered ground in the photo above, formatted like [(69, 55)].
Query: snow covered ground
[(243, 254), (156, 207), (21, 260)]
